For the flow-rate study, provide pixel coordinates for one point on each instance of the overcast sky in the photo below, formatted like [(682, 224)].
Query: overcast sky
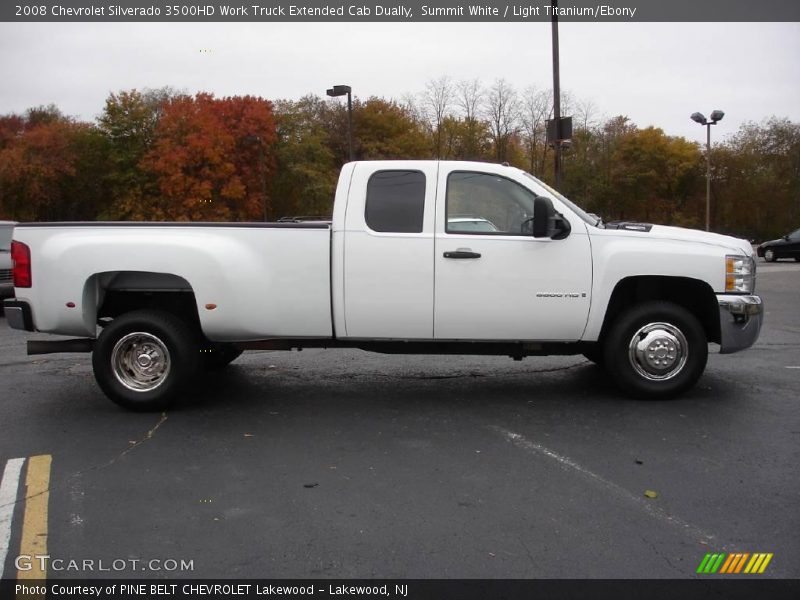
[(655, 73)]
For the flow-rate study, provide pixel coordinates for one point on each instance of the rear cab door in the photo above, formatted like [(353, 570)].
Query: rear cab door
[(383, 255)]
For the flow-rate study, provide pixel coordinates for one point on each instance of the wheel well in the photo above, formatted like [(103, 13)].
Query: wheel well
[(123, 291), (692, 294)]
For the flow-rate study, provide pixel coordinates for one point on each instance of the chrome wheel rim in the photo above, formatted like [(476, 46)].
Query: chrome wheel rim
[(140, 361), (769, 255), (658, 351)]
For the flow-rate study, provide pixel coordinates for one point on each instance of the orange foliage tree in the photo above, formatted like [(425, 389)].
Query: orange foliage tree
[(212, 159), (50, 167)]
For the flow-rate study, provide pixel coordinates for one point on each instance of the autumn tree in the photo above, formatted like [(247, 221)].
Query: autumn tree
[(11, 126), (51, 167), (129, 122), (212, 159), (158, 154)]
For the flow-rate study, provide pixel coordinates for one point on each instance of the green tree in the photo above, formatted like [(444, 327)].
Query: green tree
[(129, 122), (306, 168), (756, 180), (465, 139), (655, 177), (385, 130)]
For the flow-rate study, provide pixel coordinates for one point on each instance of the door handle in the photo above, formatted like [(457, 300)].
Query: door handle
[(462, 253)]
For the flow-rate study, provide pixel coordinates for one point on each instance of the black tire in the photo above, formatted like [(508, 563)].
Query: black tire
[(219, 356), (769, 255), (680, 350), (166, 350)]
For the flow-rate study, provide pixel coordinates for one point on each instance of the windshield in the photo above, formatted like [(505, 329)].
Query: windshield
[(554, 194)]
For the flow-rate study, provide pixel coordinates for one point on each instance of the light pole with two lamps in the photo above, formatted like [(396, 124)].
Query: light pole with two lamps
[(700, 118), (341, 90)]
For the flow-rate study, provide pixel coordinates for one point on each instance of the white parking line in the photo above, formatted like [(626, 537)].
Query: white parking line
[(9, 486), (645, 505)]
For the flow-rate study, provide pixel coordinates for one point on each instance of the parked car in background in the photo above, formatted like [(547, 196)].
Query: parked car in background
[(469, 224), (786, 247), (6, 285)]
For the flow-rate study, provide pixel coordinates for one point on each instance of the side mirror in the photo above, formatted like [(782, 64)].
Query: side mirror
[(547, 223)]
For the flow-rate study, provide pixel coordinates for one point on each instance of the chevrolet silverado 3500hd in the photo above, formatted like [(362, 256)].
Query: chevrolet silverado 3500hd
[(419, 257)]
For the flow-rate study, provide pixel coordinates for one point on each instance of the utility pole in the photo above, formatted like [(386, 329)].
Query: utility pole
[(556, 96)]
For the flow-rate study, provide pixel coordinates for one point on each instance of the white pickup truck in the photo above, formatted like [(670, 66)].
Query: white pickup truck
[(421, 257)]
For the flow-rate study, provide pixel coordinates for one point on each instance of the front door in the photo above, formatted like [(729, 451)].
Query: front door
[(493, 280)]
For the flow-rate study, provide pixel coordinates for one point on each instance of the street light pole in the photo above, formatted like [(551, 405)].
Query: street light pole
[(700, 119), (556, 97), (341, 90), (708, 176)]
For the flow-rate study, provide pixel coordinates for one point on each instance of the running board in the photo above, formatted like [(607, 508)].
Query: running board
[(55, 346)]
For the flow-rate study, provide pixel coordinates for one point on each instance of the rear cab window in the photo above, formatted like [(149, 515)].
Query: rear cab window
[(395, 201)]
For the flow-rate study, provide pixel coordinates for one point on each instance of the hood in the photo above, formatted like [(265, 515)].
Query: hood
[(681, 234)]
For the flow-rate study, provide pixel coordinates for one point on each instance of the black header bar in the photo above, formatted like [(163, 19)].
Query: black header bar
[(412, 11)]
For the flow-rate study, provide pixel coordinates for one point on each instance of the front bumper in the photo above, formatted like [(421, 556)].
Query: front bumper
[(740, 319), (18, 315)]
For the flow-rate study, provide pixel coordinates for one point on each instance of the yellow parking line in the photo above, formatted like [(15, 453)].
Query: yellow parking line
[(34, 522)]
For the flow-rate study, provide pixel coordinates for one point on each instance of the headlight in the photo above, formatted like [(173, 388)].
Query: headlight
[(740, 274)]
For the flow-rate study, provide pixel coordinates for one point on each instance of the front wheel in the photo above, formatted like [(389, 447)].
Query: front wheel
[(769, 255), (656, 350), (144, 358)]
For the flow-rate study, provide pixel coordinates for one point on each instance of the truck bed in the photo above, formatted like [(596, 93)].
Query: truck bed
[(250, 280)]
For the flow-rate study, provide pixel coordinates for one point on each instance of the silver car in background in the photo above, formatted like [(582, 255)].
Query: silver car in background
[(6, 285)]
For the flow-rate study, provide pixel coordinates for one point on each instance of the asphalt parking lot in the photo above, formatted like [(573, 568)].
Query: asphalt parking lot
[(348, 464)]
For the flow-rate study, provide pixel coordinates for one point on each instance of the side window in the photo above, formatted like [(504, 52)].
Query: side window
[(482, 203), (395, 201)]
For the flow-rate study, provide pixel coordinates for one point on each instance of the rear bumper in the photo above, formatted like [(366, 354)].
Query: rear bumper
[(6, 284), (18, 314), (740, 320)]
